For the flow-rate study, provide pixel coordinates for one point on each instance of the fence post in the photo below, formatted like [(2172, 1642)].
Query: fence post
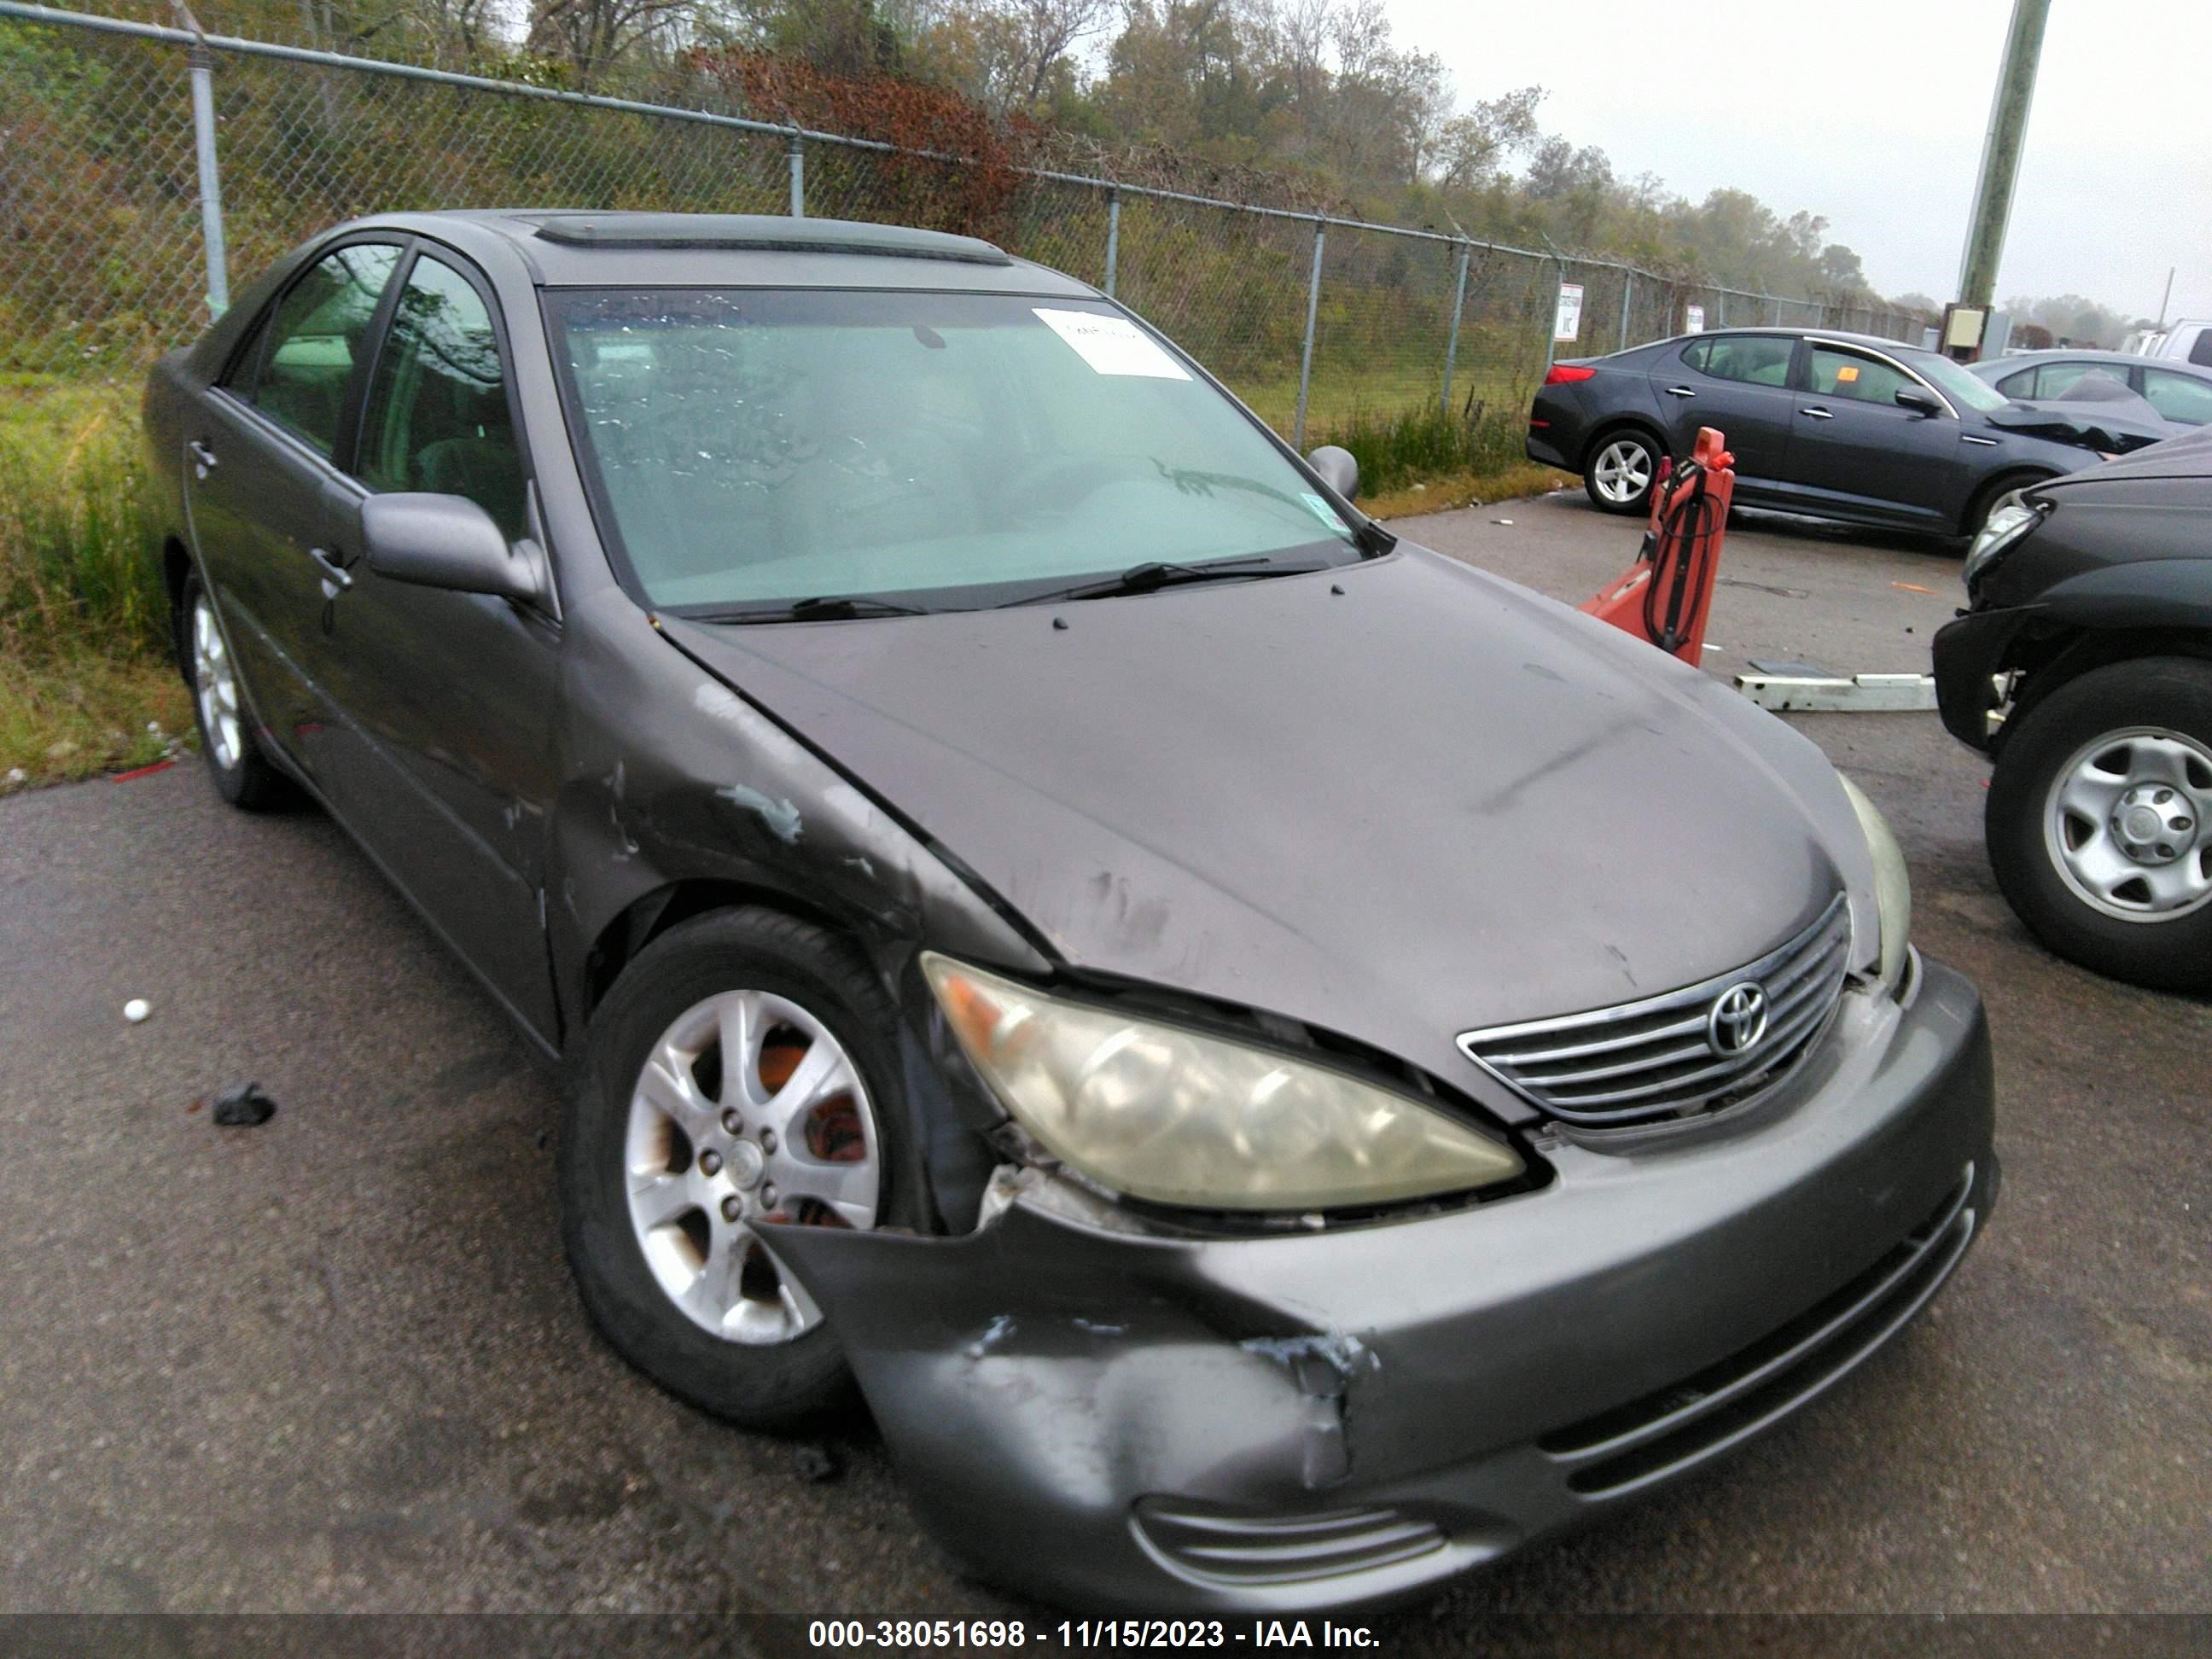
[(218, 257), (1305, 354), (1777, 310), (1628, 288), (1451, 344), (798, 176), (1113, 237)]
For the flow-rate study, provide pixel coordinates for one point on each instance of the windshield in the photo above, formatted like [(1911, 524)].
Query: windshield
[(755, 447), (1953, 381)]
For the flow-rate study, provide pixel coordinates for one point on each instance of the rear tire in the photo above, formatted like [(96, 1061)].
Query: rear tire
[(242, 773), (1623, 464), (2097, 822), (661, 1185)]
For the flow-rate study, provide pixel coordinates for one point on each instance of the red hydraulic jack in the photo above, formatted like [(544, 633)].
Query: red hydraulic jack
[(1667, 593)]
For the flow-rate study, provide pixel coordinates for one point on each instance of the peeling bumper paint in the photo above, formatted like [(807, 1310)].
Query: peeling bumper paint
[(1397, 1391)]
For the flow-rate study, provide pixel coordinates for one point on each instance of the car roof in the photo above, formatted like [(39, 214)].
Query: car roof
[(1792, 330), (574, 248)]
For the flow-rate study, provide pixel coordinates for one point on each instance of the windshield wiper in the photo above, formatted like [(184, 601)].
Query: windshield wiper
[(822, 607), (1156, 574)]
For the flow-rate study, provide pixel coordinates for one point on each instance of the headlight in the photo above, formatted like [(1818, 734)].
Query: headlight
[(1165, 1113), (1893, 887), (2008, 521)]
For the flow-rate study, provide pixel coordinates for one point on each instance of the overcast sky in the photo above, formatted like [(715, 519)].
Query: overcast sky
[(1872, 112)]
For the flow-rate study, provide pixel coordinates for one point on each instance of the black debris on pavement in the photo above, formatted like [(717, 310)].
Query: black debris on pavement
[(243, 1106)]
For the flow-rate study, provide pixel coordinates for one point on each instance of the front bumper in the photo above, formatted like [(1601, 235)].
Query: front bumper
[(1111, 1418), (1968, 654)]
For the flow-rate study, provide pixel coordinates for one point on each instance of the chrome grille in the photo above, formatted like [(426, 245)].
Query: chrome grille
[(1660, 1057), (1219, 1546)]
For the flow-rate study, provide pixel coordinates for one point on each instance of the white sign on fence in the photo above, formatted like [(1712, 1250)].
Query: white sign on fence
[(1568, 322), (1693, 320)]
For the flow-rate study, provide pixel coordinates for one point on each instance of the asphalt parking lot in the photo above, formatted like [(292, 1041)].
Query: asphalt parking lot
[(334, 1363)]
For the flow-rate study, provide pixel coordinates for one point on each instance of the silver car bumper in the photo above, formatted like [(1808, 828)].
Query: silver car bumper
[(1114, 1420)]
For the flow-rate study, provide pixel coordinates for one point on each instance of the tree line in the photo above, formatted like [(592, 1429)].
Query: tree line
[(1307, 103)]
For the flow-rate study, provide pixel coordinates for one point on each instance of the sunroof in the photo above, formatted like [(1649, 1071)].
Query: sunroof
[(762, 233)]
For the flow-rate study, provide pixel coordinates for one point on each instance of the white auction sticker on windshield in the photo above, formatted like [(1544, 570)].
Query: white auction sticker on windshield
[(1325, 513), (1111, 345)]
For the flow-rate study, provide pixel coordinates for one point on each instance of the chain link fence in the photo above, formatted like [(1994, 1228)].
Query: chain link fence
[(121, 223)]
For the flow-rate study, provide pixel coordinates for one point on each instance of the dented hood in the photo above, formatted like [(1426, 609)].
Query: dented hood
[(1399, 799)]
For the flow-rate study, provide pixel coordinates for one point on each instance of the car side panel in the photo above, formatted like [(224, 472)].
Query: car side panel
[(253, 517), (1875, 461), (1755, 419)]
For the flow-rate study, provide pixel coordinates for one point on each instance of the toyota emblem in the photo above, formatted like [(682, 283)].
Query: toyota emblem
[(1738, 1019)]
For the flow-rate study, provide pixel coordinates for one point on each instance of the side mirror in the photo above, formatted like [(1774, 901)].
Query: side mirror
[(1338, 470), (444, 541), (1919, 400)]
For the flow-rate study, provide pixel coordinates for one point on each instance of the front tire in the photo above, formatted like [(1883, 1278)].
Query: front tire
[(742, 1068), (2099, 822), (1624, 464), (243, 775), (1986, 500)]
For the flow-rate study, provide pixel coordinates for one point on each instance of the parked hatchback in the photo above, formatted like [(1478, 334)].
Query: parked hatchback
[(1836, 426), (1043, 907)]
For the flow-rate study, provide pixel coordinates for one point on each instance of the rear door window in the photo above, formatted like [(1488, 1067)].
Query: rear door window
[(315, 338), (2052, 380), (1754, 359), (2182, 398)]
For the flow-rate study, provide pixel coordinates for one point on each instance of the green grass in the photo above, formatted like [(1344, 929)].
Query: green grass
[(83, 652)]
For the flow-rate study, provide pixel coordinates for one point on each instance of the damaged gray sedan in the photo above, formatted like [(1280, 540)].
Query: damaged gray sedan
[(1283, 1066)]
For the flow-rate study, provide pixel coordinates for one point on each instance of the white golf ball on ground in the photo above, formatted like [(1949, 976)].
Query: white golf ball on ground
[(136, 1009)]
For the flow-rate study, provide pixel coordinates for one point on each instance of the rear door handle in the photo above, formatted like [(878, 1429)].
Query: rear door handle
[(1679, 392), (202, 456), (335, 579), (1817, 414)]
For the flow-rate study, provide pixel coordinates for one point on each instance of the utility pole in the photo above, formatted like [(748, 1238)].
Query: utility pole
[(2167, 298), (1985, 231)]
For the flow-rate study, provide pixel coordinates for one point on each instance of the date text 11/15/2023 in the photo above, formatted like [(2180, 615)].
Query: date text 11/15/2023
[(908, 1634)]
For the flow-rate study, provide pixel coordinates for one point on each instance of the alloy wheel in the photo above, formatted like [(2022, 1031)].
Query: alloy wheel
[(2124, 824), (747, 1108), (215, 685), (1623, 470)]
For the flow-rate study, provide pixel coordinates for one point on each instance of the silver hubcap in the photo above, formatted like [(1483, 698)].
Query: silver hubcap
[(1623, 470), (2124, 824), (215, 685), (746, 1109)]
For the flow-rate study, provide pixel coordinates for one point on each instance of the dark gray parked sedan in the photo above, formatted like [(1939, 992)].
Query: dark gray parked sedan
[(1042, 908), (1836, 426)]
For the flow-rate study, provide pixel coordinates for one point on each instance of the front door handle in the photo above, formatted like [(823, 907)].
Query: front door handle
[(1817, 414), (1679, 392), (202, 456), (335, 579)]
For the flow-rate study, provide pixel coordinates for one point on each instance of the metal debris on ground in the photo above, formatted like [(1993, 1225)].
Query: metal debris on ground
[(1861, 693), (243, 1107)]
